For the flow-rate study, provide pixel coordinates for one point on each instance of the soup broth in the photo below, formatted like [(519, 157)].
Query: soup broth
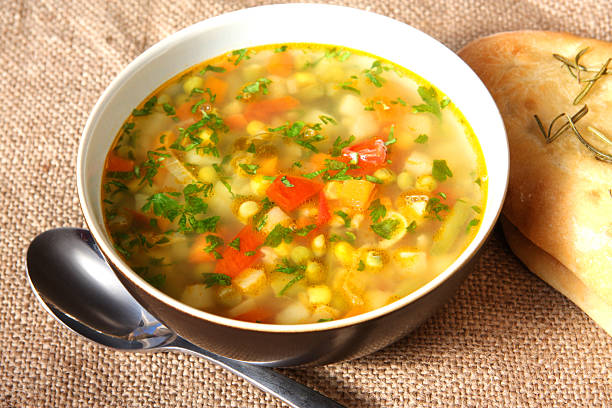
[(294, 183)]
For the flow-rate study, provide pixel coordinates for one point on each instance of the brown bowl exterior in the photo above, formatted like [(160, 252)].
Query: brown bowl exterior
[(303, 348)]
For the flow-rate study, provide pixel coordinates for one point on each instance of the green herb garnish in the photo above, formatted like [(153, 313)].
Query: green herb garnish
[(278, 235), (147, 107), (249, 168), (421, 139), (385, 228), (440, 170), (431, 105), (345, 217), (377, 210), (235, 244), (220, 279)]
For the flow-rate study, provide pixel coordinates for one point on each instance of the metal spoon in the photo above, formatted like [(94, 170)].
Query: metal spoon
[(75, 285)]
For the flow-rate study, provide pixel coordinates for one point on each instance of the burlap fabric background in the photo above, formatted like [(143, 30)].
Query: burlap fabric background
[(507, 339)]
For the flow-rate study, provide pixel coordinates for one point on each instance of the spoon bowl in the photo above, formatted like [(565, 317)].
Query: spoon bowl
[(73, 282)]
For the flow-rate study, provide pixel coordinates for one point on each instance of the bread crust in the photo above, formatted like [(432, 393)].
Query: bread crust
[(559, 196)]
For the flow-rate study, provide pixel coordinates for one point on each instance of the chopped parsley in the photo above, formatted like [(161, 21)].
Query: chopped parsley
[(278, 235), (220, 279), (282, 48), (431, 105), (302, 134), (385, 228), (169, 109), (474, 222), (290, 283), (411, 227), (286, 182), (213, 242), (302, 232), (249, 90), (147, 108), (435, 207), (421, 139), (377, 210), (373, 73), (440, 170), (340, 144), (373, 179), (361, 266), (391, 139), (251, 148), (249, 168), (212, 68), (287, 267), (235, 244), (241, 54), (348, 85), (400, 101)]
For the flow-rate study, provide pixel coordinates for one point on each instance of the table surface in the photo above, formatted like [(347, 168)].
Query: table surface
[(506, 339)]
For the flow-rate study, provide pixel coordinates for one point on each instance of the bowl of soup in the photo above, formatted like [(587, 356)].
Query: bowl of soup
[(293, 184)]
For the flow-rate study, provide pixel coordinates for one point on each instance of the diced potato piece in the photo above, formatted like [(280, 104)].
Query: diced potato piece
[(280, 280), (315, 272), (276, 216), (418, 163), (355, 194), (375, 298), (411, 260), (357, 220), (319, 294), (228, 296), (180, 173), (295, 313), (330, 70), (454, 224), (324, 313), (251, 281), (426, 183), (232, 108), (351, 106), (364, 126), (199, 159), (246, 306), (252, 72), (198, 296), (270, 257), (319, 245)]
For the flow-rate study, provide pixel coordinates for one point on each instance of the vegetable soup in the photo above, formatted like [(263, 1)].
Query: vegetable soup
[(294, 183)]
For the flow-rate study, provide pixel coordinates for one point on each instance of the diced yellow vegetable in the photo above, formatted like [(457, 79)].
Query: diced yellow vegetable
[(412, 204), (375, 298), (283, 249), (426, 183), (255, 126), (405, 181), (198, 296), (207, 174), (384, 175), (191, 83), (355, 194), (418, 163), (276, 216), (344, 252), (374, 259), (319, 295), (300, 254), (315, 272), (251, 281), (259, 185)]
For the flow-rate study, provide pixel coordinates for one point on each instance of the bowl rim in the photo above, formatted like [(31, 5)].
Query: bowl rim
[(158, 48)]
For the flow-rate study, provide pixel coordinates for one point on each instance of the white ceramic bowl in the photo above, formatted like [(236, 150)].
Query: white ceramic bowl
[(313, 23)]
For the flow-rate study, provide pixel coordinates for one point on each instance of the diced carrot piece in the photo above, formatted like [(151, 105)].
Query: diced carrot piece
[(289, 192), (265, 109), (280, 64), (217, 86), (119, 164), (183, 112), (197, 254), (234, 261), (235, 122), (354, 311), (256, 315), (268, 167), (318, 159)]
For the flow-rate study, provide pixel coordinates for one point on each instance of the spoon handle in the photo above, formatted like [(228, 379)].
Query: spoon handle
[(292, 393)]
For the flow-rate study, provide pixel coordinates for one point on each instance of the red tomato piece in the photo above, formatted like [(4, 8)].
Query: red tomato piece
[(289, 192), (370, 154), (234, 261)]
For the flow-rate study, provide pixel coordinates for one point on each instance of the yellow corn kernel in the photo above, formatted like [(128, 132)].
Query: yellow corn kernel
[(344, 252), (250, 281), (405, 181), (300, 254), (283, 249), (164, 98), (259, 185), (315, 272), (303, 79), (426, 183), (319, 245), (254, 127), (191, 83), (319, 295), (248, 209), (385, 175), (205, 135), (207, 174)]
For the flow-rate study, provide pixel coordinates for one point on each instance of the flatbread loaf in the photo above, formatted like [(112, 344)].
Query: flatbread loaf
[(559, 196)]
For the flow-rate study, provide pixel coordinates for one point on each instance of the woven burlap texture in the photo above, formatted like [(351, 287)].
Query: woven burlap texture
[(506, 339)]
